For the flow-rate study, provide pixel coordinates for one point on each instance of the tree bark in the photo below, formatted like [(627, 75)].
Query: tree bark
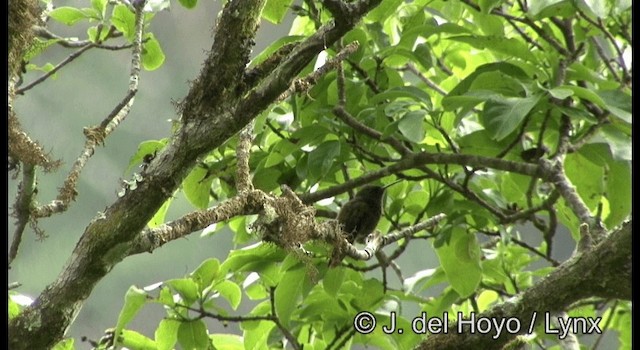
[(604, 271)]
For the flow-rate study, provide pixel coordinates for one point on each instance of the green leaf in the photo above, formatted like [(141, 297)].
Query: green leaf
[(186, 288), (332, 281), (618, 192), (146, 149), (152, 55), (204, 274), (100, 6), (253, 258), (411, 126), (230, 291), (65, 344), (275, 10), (511, 47), (158, 217), (92, 33), (323, 158), (227, 341), (502, 116), (618, 103), (480, 143), (165, 297), (507, 68), (69, 15), (287, 293), (189, 4), (411, 92), (590, 188), (135, 340), (256, 333), (546, 8), (196, 187), (585, 94), (193, 335), (124, 20), (133, 301), (166, 335), (460, 260), (273, 47), (382, 11)]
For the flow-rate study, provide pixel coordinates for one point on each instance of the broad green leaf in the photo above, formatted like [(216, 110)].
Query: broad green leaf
[(252, 258), (502, 116), (585, 94), (227, 341), (545, 8), (275, 10), (287, 293), (100, 6), (230, 291), (65, 344), (266, 179), (196, 187), (332, 281), (618, 141), (189, 4), (134, 300), (70, 15), (273, 47), (507, 68), (204, 274), (135, 340), (618, 103), (193, 335), (560, 93), (597, 7), (187, 288), (618, 192), (361, 37), (411, 126), (480, 143), (590, 188), (411, 92), (487, 5), (158, 217), (146, 150), (256, 333), (460, 260), (166, 335), (383, 11), (508, 46), (124, 20), (92, 33), (14, 308), (165, 297), (323, 158), (422, 53), (152, 55)]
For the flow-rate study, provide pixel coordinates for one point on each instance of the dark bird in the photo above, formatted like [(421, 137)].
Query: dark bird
[(360, 216)]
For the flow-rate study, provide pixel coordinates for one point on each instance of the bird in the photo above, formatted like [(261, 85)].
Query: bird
[(360, 216)]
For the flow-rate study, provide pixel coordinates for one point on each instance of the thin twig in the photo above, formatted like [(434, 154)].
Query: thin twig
[(290, 337), (412, 68), (53, 71), (96, 135)]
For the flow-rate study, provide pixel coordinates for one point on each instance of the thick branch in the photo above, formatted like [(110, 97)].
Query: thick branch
[(604, 271), (211, 113)]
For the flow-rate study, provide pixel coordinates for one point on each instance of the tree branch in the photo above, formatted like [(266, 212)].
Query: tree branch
[(604, 271)]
